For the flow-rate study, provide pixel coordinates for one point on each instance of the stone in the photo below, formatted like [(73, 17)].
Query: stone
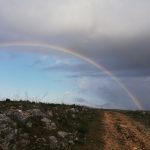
[(29, 124), (73, 116), (18, 115), (11, 135), (36, 112), (4, 118), (62, 134), (71, 142), (53, 139), (49, 124), (25, 135), (24, 142), (76, 139), (73, 110), (50, 113), (45, 120), (53, 126), (40, 140)]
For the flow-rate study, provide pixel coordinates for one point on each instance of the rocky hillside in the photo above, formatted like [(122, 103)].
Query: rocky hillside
[(28, 125), (37, 126)]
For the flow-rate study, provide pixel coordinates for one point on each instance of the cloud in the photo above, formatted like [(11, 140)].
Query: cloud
[(141, 87), (40, 60), (105, 92), (114, 34), (98, 17), (75, 70)]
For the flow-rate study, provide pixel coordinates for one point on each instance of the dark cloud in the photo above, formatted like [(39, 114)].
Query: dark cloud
[(123, 55)]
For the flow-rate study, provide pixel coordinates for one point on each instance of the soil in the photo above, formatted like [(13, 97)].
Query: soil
[(124, 133)]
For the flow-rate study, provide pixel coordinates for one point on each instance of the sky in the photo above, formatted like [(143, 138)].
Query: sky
[(114, 34)]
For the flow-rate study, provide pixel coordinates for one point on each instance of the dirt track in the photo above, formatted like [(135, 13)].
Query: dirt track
[(123, 133)]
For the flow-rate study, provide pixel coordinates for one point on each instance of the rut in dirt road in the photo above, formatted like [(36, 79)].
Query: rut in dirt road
[(123, 133)]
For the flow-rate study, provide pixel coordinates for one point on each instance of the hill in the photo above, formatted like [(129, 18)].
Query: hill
[(28, 125)]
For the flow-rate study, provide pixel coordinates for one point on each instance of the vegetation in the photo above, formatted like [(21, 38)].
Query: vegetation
[(42, 126), (140, 116)]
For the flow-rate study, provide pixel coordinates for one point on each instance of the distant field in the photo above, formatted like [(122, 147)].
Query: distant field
[(140, 116)]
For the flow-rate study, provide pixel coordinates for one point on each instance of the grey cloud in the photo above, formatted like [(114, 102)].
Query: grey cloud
[(101, 17), (80, 100), (100, 29), (141, 87), (124, 55), (107, 92)]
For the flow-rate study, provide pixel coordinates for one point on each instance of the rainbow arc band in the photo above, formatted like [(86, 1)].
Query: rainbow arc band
[(78, 55)]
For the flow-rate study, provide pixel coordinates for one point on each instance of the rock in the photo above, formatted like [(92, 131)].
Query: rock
[(23, 142), (10, 112), (2, 126), (33, 129), (50, 113), (36, 112), (71, 142), (11, 135), (63, 144), (16, 131), (73, 116), (73, 110), (52, 126), (53, 139), (29, 124), (49, 124), (62, 134), (18, 114), (4, 118), (25, 135), (46, 120), (76, 139), (40, 140), (7, 132)]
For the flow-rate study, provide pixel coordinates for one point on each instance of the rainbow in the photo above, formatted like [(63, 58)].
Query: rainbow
[(78, 55)]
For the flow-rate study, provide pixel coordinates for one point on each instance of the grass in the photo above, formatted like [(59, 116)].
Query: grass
[(140, 116), (118, 127), (94, 134)]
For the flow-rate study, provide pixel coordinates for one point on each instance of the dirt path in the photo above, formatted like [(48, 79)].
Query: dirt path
[(123, 133)]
